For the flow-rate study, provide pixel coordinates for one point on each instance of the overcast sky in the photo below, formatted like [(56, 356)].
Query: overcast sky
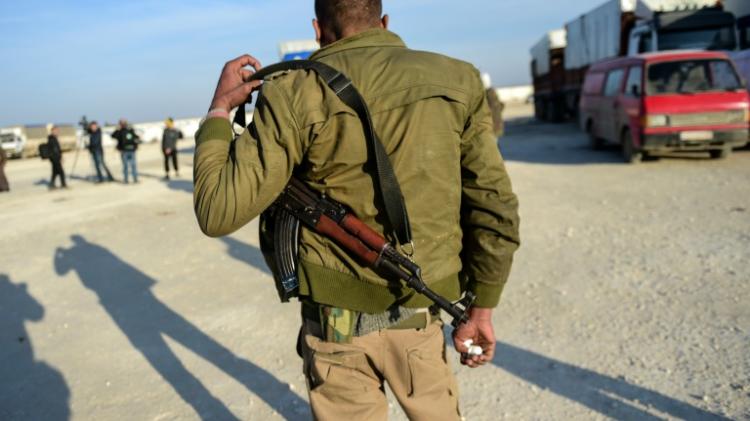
[(148, 59)]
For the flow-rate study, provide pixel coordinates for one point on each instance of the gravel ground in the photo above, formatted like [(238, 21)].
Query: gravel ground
[(628, 300)]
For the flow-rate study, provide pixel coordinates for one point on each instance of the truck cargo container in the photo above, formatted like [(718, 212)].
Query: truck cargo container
[(621, 28), (548, 73)]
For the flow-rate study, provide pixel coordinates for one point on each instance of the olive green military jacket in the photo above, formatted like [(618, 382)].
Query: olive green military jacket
[(431, 114)]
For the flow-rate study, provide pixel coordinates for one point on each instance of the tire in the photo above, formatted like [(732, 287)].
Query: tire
[(648, 157), (554, 113), (596, 143), (540, 108), (722, 153), (630, 154)]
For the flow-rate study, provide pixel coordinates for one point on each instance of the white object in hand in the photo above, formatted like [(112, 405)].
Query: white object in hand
[(474, 350)]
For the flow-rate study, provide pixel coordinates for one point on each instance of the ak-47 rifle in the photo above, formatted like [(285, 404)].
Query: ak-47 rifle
[(298, 203)]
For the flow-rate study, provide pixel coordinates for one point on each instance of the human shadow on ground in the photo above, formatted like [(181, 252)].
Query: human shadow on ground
[(611, 397), (187, 150), (246, 253), (178, 184), (29, 389), (125, 293)]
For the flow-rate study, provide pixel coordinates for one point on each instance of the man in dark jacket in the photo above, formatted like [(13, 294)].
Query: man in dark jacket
[(3, 180), (97, 152), (127, 144), (55, 157), (169, 147)]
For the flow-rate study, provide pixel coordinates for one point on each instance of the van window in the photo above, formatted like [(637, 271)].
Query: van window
[(594, 83), (692, 76), (634, 84), (724, 76), (614, 81)]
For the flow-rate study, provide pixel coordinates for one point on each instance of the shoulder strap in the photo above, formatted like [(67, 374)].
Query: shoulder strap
[(385, 180)]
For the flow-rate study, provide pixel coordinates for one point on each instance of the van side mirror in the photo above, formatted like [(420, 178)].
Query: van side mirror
[(635, 91)]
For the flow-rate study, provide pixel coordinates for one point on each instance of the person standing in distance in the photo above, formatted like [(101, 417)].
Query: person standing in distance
[(431, 113), (97, 152), (55, 158), (4, 186), (169, 147), (496, 106), (127, 144)]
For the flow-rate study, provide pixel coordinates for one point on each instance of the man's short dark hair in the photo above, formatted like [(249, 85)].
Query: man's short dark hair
[(339, 15)]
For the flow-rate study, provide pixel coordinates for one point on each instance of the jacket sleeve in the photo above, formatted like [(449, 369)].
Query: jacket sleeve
[(236, 180), (489, 208)]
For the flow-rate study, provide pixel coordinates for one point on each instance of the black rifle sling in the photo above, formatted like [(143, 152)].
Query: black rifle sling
[(386, 182)]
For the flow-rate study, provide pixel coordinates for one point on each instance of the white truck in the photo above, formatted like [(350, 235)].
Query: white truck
[(628, 27), (297, 50)]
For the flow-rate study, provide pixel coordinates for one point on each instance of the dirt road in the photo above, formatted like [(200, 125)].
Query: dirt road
[(628, 300)]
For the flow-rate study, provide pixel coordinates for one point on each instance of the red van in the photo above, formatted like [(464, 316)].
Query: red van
[(666, 102)]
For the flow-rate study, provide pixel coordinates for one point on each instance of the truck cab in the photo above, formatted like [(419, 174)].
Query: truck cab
[(686, 101), (704, 29)]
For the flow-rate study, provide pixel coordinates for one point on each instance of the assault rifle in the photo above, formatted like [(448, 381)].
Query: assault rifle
[(298, 203)]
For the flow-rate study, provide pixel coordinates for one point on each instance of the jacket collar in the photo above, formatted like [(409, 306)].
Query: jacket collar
[(370, 38)]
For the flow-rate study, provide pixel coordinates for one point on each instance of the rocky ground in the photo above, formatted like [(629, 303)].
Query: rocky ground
[(628, 300)]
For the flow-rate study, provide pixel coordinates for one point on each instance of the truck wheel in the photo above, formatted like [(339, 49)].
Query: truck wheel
[(722, 153), (538, 109), (630, 154), (595, 142), (541, 109), (554, 114)]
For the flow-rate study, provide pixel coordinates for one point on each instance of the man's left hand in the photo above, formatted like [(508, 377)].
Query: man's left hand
[(481, 332)]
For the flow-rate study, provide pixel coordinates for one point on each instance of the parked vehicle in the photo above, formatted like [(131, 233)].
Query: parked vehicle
[(666, 102), (620, 28), (297, 50), (24, 141), (11, 143)]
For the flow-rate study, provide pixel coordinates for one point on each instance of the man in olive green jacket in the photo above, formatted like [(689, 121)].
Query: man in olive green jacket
[(431, 114)]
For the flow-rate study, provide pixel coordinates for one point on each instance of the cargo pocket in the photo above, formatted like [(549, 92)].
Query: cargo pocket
[(428, 369), (336, 369)]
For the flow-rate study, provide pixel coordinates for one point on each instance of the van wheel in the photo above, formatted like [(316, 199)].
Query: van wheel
[(722, 153), (630, 154), (596, 143)]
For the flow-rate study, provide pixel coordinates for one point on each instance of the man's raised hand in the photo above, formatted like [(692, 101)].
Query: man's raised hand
[(233, 88)]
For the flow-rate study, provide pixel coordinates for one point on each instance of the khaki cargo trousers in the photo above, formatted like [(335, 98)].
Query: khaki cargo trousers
[(345, 381)]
